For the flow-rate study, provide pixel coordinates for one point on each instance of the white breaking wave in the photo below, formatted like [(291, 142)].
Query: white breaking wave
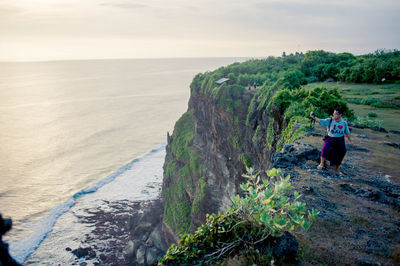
[(130, 184)]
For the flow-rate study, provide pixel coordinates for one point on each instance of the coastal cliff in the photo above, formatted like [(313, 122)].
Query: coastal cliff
[(358, 218), (219, 144), (229, 127)]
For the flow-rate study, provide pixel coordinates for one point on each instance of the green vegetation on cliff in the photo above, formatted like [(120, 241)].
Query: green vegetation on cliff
[(298, 69), (181, 173), (199, 195), (370, 68), (263, 214), (281, 80)]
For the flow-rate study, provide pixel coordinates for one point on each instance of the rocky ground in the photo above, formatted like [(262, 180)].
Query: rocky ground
[(359, 220)]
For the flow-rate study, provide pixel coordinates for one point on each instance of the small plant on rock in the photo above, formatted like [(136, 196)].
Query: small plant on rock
[(268, 207)]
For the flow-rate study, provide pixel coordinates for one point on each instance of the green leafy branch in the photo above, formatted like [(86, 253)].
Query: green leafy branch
[(268, 207), (265, 210)]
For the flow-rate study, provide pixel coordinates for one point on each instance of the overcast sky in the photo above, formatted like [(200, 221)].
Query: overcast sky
[(78, 29)]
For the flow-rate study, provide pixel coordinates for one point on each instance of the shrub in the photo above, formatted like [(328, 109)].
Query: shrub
[(320, 100), (370, 100), (293, 79), (354, 100), (384, 105), (312, 79), (266, 210), (367, 122), (228, 96), (372, 114)]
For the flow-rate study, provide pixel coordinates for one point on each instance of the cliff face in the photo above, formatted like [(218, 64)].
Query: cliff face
[(221, 139), (223, 132)]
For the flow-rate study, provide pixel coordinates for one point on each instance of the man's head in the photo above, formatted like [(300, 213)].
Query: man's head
[(337, 114), (5, 225)]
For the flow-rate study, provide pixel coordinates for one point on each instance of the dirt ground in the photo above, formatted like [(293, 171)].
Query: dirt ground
[(359, 217)]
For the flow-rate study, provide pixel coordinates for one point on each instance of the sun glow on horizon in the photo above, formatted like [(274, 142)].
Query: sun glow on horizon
[(60, 29)]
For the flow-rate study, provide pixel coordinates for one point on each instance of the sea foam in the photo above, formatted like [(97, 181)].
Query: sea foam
[(130, 184)]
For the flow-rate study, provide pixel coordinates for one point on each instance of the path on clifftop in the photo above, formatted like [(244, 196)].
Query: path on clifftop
[(359, 217)]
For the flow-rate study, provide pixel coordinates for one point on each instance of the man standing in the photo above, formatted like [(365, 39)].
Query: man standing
[(334, 147)]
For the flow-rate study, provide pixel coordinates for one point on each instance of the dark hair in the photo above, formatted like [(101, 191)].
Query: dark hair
[(339, 110)]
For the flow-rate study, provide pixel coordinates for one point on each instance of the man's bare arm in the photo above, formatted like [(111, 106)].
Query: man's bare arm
[(348, 137), (314, 117)]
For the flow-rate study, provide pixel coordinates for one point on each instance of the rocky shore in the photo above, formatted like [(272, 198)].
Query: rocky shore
[(127, 233)]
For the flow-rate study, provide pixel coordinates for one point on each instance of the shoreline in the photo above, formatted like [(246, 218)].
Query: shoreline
[(137, 181)]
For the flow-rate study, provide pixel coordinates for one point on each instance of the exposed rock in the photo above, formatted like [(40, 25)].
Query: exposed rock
[(84, 252), (380, 129), (152, 255), (356, 148), (140, 255), (286, 247), (314, 134), (130, 250), (393, 144), (375, 128), (357, 125), (157, 239), (308, 190), (295, 154), (348, 187), (364, 262)]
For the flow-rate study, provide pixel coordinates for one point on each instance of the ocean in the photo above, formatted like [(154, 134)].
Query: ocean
[(76, 134)]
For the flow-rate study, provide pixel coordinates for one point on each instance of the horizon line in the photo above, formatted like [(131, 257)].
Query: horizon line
[(128, 58), (179, 57)]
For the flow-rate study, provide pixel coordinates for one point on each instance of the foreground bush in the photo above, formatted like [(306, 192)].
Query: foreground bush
[(265, 211)]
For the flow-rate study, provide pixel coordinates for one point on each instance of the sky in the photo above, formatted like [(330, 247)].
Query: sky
[(34, 30)]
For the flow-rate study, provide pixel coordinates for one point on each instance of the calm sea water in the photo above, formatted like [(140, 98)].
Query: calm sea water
[(68, 126)]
